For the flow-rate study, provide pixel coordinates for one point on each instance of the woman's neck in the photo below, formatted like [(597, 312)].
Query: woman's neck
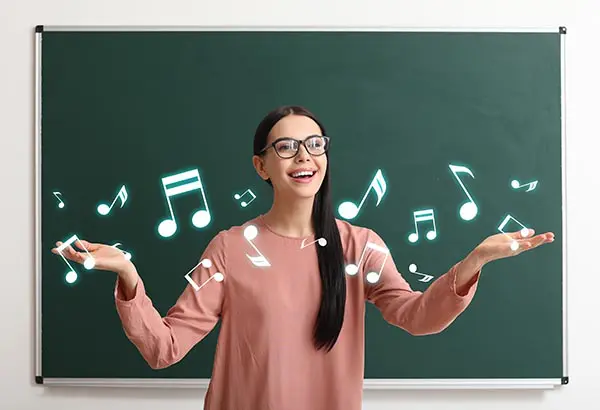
[(291, 218)]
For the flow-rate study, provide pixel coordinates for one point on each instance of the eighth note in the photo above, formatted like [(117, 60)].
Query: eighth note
[(218, 276), (104, 209), (178, 184), (244, 203), (372, 277), (425, 277), (126, 254), (89, 262), (468, 210), (321, 241), (514, 245), (422, 216), (349, 210), (516, 185), (250, 232), (61, 204)]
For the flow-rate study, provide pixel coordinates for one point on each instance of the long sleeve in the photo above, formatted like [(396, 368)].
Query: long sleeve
[(419, 313), (163, 341)]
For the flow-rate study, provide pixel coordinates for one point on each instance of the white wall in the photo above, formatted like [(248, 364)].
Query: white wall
[(17, 21)]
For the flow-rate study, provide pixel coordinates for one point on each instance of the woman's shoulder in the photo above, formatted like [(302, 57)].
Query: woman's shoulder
[(350, 232)]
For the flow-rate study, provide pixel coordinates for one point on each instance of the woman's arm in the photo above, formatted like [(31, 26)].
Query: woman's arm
[(420, 313), (163, 341)]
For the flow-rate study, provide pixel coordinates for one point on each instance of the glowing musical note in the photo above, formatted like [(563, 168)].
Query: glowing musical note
[(61, 204), (250, 232), (126, 254), (217, 276), (372, 276), (321, 241), (349, 210), (516, 185), (514, 245), (244, 203), (425, 277), (468, 210), (104, 209), (421, 216), (89, 262), (182, 183)]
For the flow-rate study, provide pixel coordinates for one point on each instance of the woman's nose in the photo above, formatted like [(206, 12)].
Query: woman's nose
[(302, 154)]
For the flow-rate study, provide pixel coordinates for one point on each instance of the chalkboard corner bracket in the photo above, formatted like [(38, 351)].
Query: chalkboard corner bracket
[(562, 30), (564, 380), (39, 379), (39, 28)]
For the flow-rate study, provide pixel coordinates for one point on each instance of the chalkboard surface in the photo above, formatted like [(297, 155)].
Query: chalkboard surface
[(449, 118)]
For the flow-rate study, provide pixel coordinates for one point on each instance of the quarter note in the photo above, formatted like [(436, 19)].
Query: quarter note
[(244, 203), (425, 277), (423, 216), (126, 254), (515, 184), (61, 204), (104, 209), (514, 245), (250, 232), (178, 184), (321, 241), (217, 276), (349, 210), (89, 262), (372, 276), (468, 210)]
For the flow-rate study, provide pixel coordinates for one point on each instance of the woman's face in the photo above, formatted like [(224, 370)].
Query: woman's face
[(284, 172)]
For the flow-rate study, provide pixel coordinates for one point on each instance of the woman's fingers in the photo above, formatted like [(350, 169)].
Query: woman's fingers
[(85, 245), (535, 241), (69, 253)]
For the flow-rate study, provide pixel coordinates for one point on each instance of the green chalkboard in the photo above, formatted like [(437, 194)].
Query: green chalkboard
[(442, 114)]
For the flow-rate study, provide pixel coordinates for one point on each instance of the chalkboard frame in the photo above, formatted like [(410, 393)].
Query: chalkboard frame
[(411, 384)]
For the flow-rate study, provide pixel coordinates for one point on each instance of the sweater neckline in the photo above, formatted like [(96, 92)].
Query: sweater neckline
[(260, 219)]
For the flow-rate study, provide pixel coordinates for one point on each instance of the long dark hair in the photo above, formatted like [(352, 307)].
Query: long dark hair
[(331, 257)]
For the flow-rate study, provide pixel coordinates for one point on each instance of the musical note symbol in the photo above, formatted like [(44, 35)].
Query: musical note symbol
[(413, 269), (349, 210), (250, 232), (89, 262), (321, 241), (372, 277), (104, 209), (61, 204), (514, 245), (516, 185), (244, 203), (217, 276), (126, 254), (421, 216), (177, 184), (468, 210)]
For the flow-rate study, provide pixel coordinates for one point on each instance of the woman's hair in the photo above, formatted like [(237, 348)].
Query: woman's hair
[(331, 257)]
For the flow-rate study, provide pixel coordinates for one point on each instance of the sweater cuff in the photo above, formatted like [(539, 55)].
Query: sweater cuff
[(120, 296), (467, 290)]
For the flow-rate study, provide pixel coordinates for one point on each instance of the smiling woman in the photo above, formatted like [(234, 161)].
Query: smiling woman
[(292, 333)]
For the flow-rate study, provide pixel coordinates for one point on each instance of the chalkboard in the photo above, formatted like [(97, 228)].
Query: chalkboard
[(448, 117)]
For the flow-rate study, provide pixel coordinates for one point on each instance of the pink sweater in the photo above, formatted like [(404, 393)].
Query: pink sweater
[(265, 357)]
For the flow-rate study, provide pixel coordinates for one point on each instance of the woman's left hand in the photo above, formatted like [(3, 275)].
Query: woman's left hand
[(501, 245)]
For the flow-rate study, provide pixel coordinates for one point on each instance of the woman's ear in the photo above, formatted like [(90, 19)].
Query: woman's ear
[(259, 165)]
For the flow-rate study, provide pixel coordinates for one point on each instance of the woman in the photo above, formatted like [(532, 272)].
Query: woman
[(291, 304)]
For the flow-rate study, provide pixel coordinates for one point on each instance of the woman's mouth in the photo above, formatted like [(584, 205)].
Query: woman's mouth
[(303, 177)]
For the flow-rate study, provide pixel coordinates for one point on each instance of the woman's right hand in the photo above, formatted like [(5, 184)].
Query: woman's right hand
[(105, 257)]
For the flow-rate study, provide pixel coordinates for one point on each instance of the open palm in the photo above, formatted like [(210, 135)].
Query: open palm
[(502, 245), (104, 257)]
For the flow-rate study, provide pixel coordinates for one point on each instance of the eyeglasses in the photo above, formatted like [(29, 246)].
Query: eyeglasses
[(288, 147)]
